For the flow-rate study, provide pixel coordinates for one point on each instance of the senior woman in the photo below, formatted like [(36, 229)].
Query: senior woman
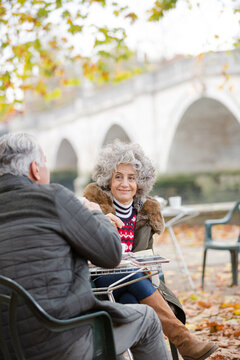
[(124, 176)]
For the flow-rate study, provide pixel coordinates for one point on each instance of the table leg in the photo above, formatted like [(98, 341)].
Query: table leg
[(179, 252)]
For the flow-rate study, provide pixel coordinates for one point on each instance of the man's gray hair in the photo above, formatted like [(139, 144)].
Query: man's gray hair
[(120, 153), (17, 152)]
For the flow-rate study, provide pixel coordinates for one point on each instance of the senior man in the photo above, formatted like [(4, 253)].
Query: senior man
[(46, 237)]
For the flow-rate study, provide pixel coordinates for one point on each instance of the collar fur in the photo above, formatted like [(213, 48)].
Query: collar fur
[(150, 211)]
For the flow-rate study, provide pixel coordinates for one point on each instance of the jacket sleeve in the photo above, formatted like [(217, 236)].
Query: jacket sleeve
[(90, 233)]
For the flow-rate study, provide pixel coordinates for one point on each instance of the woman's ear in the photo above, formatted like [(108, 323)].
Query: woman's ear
[(34, 173)]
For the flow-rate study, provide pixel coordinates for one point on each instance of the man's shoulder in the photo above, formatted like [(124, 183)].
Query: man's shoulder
[(51, 191), (52, 188)]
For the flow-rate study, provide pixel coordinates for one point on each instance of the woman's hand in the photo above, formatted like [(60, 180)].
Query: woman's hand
[(115, 221), (91, 205)]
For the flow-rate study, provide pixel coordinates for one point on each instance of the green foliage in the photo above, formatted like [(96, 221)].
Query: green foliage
[(160, 7), (55, 94), (204, 187), (65, 178), (31, 53)]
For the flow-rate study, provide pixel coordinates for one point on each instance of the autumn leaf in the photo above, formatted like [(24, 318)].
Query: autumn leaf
[(225, 67), (160, 7), (204, 304), (55, 94), (214, 326), (230, 305), (132, 16)]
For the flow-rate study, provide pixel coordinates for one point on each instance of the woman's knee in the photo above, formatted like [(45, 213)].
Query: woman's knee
[(141, 289), (127, 298)]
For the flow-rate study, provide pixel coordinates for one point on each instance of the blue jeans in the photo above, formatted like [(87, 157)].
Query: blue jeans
[(129, 294)]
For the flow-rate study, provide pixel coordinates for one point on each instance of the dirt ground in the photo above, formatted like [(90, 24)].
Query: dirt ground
[(214, 313)]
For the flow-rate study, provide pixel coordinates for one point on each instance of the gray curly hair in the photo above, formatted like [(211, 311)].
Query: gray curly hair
[(17, 152), (120, 153)]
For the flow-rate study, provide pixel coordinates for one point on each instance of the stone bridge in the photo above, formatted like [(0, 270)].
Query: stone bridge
[(185, 115)]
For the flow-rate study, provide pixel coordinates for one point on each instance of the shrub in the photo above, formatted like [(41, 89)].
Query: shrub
[(205, 187)]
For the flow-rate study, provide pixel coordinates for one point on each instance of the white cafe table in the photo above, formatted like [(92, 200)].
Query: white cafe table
[(175, 216)]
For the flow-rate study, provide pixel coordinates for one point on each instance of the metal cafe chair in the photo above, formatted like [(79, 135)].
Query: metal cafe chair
[(232, 247), (10, 295)]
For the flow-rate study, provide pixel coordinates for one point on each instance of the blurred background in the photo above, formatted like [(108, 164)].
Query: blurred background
[(166, 75)]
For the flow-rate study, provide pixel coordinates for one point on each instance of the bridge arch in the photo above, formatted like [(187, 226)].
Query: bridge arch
[(66, 164), (206, 136), (66, 156), (116, 132)]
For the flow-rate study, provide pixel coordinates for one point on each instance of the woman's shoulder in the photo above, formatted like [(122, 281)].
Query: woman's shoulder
[(94, 193), (151, 206), (92, 190), (152, 209)]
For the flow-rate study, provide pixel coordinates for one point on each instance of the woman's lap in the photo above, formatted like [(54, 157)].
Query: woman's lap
[(140, 289)]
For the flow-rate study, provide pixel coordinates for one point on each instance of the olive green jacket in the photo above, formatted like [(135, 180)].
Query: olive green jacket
[(149, 221)]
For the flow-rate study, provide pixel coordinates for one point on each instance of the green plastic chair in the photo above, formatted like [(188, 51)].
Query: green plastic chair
[(11, 292), (232, 247)]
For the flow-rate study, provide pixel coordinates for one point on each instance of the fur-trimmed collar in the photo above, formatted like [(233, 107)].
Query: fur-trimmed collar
[(150, 211)]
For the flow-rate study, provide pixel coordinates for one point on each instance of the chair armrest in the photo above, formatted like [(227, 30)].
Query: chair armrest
[(67, 324), (209, 223), (212, 222), (224, 220)]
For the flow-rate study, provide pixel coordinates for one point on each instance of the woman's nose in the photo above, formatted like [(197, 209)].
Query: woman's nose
[(125, 182)]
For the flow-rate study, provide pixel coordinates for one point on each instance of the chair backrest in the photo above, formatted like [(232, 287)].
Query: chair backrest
[(231, 215), (235, 211), (238, 209), (11, 293)]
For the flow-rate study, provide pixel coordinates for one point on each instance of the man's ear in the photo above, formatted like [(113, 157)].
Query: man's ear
[(34, 173)]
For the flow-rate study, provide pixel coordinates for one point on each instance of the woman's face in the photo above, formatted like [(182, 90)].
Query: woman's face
[(124, 183)]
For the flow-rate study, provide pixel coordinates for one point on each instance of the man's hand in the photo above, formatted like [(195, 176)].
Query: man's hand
[(115, 221)]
